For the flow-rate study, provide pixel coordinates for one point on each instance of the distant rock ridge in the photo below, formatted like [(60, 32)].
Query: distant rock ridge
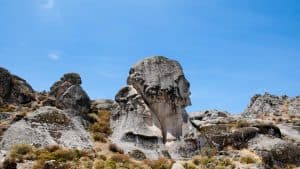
[(269, 106)]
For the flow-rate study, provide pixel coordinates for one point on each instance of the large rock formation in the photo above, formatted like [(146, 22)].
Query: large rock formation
[(47, 126), (14, 89), (151, 109), (68, 94)]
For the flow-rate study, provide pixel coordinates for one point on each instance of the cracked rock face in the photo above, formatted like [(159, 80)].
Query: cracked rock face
[(68, 94), (152, 107)]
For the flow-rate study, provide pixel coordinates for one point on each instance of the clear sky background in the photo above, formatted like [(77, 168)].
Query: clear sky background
[(229, 49)]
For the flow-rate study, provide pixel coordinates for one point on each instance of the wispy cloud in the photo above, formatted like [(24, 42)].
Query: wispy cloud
[(54, 56), (48, 4)]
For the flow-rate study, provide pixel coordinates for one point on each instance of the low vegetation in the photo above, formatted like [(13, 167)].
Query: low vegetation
[(247, 160), (7, 108), (205, 162), (55, 156), (161, 163), (100, 129)]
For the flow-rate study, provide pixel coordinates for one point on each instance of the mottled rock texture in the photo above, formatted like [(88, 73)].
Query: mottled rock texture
[(151, 108), (47, 126), (14, 89), (68, 94), (273, 107)]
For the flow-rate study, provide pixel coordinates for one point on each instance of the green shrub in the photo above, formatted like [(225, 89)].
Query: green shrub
[(99, 137), (189, 166), (247, 160), (22, 151), (109, 164), (99, 164)]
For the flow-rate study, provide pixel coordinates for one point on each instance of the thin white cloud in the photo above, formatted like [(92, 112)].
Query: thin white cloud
[(49, 4), (53, 56)]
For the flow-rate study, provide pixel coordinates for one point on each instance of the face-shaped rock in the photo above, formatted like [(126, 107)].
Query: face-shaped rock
[(153, 104)]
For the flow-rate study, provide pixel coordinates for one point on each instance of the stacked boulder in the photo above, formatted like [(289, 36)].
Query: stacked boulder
[(69, 95)]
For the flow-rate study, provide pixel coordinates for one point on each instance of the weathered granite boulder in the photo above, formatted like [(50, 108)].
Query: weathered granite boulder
[(275, 151), (74, 98), (150, 111), (47, 126), (163, 86), (14, 89), (68, 94)]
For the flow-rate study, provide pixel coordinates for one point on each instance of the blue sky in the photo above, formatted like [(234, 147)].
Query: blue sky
[(229, 49)]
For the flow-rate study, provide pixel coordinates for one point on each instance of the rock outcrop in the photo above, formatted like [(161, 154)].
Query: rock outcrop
[(47, 126), (271, 107), (151, 109), (14, 89), (68, 94)]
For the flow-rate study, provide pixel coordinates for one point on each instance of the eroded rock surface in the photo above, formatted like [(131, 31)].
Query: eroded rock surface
[(14, 89), (47, 126), (151, 109), (68, 94)]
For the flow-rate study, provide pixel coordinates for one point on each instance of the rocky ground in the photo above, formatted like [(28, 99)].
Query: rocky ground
[(146, 126)]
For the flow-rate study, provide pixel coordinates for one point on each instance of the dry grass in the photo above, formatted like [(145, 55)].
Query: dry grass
[(101, 128), (7, 108), (120, 158), (22, 151), (161, 163), (247, 160)]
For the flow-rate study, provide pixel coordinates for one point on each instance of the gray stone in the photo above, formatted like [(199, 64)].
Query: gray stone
[(14, 89), (47, 126), (74, 98), (150, 111), (267, 106)]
